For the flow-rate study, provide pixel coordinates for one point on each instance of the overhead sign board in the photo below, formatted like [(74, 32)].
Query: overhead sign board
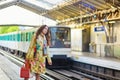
[(97, 29)]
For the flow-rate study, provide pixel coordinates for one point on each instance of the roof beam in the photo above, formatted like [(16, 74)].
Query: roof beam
[(108, 15), (24, 4), (60, 6), (31, 7), (6, 4)]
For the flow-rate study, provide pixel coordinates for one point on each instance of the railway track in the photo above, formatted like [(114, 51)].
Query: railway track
[(53, 74), (50, 75)]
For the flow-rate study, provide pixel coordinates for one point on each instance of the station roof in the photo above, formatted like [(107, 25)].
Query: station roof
[(59, 10)]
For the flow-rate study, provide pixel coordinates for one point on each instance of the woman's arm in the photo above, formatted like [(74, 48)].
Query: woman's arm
[(30, 52), (48, 57)]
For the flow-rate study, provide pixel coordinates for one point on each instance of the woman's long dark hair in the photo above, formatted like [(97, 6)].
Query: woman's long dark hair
[(47, 35)]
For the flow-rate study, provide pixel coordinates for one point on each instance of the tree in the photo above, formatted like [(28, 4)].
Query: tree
[(7, 29)]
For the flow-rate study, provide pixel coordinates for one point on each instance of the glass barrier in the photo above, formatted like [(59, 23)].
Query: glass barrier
[(107, 50)]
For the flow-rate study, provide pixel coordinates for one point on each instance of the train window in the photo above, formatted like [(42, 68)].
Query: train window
[(18, 37), (1, 37), (24, 36), (21, 37), (8, 37), (31, 33), (27, 36), (4, 37), (60, 37), (13, 37)]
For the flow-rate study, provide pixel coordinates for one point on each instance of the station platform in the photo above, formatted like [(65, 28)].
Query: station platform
[(9, 70), (94, 59)]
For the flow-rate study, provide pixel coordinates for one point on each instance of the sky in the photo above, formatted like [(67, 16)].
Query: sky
[(17, 15)]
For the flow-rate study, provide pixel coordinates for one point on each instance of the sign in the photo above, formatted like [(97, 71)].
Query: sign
[(101, 28)]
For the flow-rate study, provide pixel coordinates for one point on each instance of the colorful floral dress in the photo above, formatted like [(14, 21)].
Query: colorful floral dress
[(38, 61)]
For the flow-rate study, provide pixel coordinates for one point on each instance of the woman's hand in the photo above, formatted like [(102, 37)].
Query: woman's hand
[(50, 62)]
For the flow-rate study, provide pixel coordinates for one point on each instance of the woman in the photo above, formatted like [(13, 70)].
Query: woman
[(38, 51)]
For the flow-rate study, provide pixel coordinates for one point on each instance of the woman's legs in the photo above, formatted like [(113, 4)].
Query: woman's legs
[(37, 76)]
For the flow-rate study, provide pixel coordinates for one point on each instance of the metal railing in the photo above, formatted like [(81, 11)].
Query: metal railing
[(106, 50)]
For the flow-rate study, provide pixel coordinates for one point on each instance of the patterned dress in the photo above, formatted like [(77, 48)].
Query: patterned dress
[(38, 61)]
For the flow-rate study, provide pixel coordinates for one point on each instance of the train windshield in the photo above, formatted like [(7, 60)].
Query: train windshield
[(60, 37)]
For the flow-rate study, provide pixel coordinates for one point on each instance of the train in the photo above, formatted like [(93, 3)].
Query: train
[(18, 42)]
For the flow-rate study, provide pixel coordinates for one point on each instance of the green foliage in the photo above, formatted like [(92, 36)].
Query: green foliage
[(7, 29)]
